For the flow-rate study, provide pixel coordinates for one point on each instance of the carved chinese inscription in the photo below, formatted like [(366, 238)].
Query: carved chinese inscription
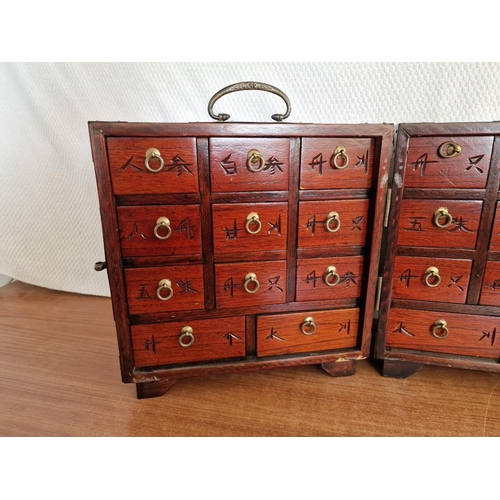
[(473, 161), (345, 327), (230, 167), (177, 165), (491, 336), (402, 329), (230, 337), (273, 335)]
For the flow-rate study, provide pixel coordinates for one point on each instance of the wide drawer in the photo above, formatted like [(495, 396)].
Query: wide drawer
[(329, 279), (279, 334), (136, 170), (448, 162), (164, 289), (443, 332), (336, 163), (188, 341), (431, 278), (439, 223), (160, 230), (490, 291)]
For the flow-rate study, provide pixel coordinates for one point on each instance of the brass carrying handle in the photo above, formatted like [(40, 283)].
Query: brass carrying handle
[(253, 220), (150, 154), (449, 149), (440, 326), (251, 284), (164, 285), (186, 333), (339, 153), (236, 87), (432, 277), (332, 218), (255, 158), (441, 213), (331, 277), (308, 327), (162, 223)]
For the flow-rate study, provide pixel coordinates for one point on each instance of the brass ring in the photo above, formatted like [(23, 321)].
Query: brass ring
[(253, 218), (449, 149), (251, 278), (440, 325), (164, 285), (340, 152), (432, 273), (332, 217), (186, 332), (255, 157), (331, 272), (439, 214), (308, 327), (153, 153), (162, 223)]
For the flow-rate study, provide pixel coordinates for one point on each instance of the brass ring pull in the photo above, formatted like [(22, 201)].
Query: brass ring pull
[(332, 218), (253, 219), (154, 153), (164, 285), (162, 223), (186, 333), (440, 326), (331, 277), (340, 153), (432, 278), (441, 213), (308, 327), (251, 284), (254, 157), (449, 149)]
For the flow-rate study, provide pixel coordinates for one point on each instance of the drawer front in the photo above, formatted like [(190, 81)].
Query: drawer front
[(144, 230), (247, 227), (428, 168), (232, 168), (164, 289), (419, 219), (329, 279), (490, 291), (336, 163), (462, 334), (430, 278), (250, 283), (279, 334), (130, 175), (333, 223), (495, 233), (202, 340)]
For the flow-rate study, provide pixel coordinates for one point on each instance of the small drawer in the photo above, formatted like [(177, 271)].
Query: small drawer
[(443, 332), (279, 334), (336, 163), (329, 279), (163, 289), (339, 223), (448, 162), (153, 165), (439, 223), (160, 230), (490, 291), (249, 227), (250, 283), (249, 164), (495, 233), (430, 278), (189, 341)]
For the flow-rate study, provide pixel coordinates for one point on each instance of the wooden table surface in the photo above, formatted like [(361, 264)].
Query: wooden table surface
[(59, 376)]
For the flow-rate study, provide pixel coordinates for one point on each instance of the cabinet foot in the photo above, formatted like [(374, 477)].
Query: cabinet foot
[(153, 389), (340, 368), (399, 369)]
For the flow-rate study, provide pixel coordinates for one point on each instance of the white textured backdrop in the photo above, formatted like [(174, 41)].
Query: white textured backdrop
[(50, 231)]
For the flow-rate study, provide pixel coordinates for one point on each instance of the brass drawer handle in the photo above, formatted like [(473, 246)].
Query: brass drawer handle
[(441, 213), (332, 218), (164, 285), (253, 219), (440, 326), (254, 157), (340, 153), (186, 333), (308, 327), (331, 277), (449, 149), (432, 277), (150, 154), (251, 284), (162, 223)]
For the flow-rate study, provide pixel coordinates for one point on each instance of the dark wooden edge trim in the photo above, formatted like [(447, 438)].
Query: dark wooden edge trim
[(448, 194), (158, 199), (292, 226), (333, 194), (154, 261), (242, 197), (325, 252), (493, 256), (444, 129), (452, 253), (446, 307), (251, 335), (250, 256)]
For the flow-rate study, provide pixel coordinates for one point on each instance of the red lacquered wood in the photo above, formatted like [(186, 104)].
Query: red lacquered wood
[(490, 290), (495, 232)]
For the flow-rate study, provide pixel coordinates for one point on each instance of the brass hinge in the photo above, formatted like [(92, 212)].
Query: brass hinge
[(378, 295), (387, 207)]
